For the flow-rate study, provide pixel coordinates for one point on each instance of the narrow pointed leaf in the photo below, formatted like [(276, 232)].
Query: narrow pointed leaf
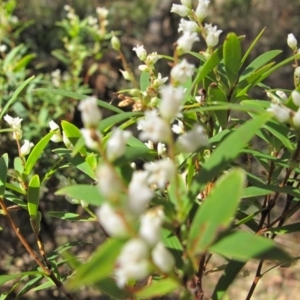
[(3, 173), (33, 196)]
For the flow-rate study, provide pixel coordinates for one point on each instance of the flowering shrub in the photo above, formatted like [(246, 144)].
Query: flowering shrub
[(164, 180)]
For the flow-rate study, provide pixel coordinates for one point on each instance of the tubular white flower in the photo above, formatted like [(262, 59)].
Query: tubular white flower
[(189, 26), (186, 41), (154, 128), (178, 128), (26, 148), (202, 9), (140, 52), (282, 95), (57, 137), (139, 193), (15, 124), (133, 262), (116, 144), (112, 222), (90, 112), (292, 41), (162, 258), (182, 72), (160, 172), (161, 149), (180, 10), (126, 75), (171, 102), (212, 38), (281, 113), (152, 58), (296, 97), (192, 140), (91, 138), (109, 184), (151, 223), (159, 81), (102, 12)]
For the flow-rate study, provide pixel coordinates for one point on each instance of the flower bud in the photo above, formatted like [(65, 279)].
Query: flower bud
[(291, 41), (26, 148), (115, 43), (57, 137), (163, 258), (180, 10), (296, 97), (90, 112), (140, 52), (297, 72)]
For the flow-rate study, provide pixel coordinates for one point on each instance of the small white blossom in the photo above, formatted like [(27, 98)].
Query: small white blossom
[(116, 144), (296, 97), (202, 9), (281, 113), (171, 102), (180, 10), (162, 258), (159, 81), (192, 140), (26, 148), (178, 128), (282, 95), (154, 128), (139, 193), (189, 26), (133, 262), (15, 124), (160, 172), (279, 96), (109, 184), (212, 38), (152, 58), (90, 112), (149, 145), (67, 7), (144, 68), (161, 149), (182, 72), (186, 41), (91, 138), (112, 222), (3, 48), (102, 12), (57, 137), (140, 52), (292, 41), (126, 75), (151, 223)]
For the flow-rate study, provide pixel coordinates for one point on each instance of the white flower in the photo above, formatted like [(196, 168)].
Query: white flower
[(282, 95), (139, 192), (133, 262), (212, 38), (102, 12), (296, 119), (192, 140), (152, 58), (26, 148), (144, 68), (57, 137), (161, 149), (154, 128), (202, 9), (15, 124), (279, 96), (90, 112), (149, 145), (151, 223), (160, 172), (182, 72), (162, 258), (297, 72), (292, 41), (140, 52), (159, 81), (109, 184), (116, 144), (91, 138), (281, 113), (3, 48), (126, 75), (67, 7), (178, 128), (112, 222), (180, 10), (171, 102), (189, 26), (186, 41), (296, 97)]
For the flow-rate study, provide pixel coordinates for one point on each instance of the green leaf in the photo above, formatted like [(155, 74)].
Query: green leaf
[(295, 227), (144, 80), (73, 134), (64, 215), (6, 278), (23, 62), (226, 152), (232, 57), (216, 212), (87, 193), (15, 95), (33, 196), (36, 152), (231, 271), (215, 93), (109, 287), (3, 173), (158, 288), (98, 267), (247, 246)]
